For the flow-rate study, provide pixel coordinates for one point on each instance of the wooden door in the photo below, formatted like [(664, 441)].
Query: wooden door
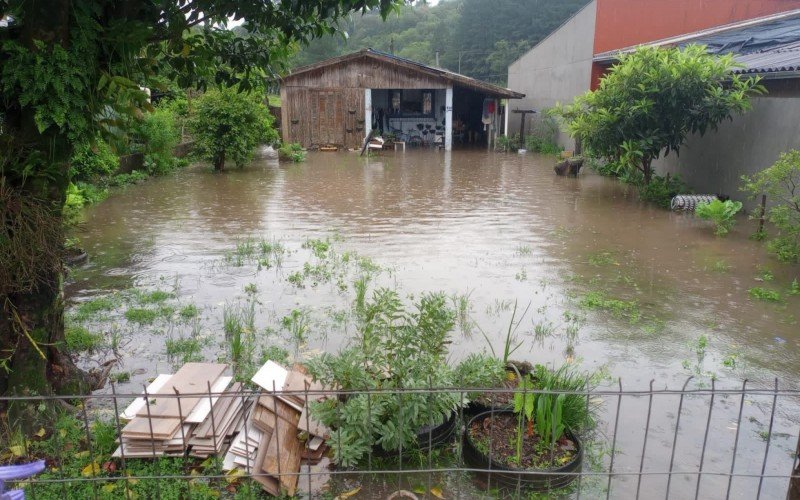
[(328, 125)]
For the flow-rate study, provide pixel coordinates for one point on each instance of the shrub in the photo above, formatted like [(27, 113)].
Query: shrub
[(722, 213), (781, 184), (159, 136), (92, 161), (660, 190), (293, 152), (653, 99), (228, 125), (397, 348)]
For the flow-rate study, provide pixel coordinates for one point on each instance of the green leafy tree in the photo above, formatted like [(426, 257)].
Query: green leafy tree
[(653, 99), (228, 125), (781, 184), (70, 69)]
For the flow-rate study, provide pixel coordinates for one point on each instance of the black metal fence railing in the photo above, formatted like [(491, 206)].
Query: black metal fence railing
[(689, 442)]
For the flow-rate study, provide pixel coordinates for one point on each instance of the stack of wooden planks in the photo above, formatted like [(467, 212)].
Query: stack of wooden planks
[(280, 432), (200, 424)]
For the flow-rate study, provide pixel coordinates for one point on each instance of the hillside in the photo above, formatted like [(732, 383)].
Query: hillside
[(485, 36)]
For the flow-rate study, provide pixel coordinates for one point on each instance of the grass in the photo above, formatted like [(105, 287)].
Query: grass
[(720, 266), (79, 339), (189, 312), (297, 323), (523, 250), (463, 307), (602, 259), (91, 308), (274, 100), (141, 316), (120, 377), (185, 350), (618, 308), (154, 297), (764, 294)]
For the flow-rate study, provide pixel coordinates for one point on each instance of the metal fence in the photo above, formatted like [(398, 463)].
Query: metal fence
[(688, 442)]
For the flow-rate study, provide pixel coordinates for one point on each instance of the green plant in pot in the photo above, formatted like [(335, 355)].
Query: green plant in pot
[(397, 347), (534, 434)]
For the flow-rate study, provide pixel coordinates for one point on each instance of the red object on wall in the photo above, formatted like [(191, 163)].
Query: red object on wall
[(623, 23)]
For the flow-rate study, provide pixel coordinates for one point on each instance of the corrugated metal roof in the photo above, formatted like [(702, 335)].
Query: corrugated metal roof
[(764, 45), (783, 59)]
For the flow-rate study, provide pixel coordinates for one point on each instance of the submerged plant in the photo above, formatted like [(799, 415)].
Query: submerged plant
[(721, 213), (764, 294)]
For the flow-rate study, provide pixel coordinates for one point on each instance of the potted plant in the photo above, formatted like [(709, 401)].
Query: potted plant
[(529, 445), (397, 348)]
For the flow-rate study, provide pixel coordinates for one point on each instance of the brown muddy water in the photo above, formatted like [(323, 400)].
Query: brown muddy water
[(608, 282)]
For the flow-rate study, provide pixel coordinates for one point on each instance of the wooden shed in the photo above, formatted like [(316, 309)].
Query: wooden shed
[(340, 100)]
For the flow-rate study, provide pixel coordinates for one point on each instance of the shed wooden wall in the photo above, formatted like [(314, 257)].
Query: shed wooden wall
[(326, 105)]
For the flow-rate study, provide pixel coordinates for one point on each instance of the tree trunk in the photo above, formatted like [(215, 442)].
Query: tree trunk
[(219, 161), (32, 337), (647, 169)]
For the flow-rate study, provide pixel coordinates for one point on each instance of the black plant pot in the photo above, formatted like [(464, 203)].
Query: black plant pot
[(526, 479), (429, 437)]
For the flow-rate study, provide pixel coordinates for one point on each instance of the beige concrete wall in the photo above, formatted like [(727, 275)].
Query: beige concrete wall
[(556, 70), (715, 162)]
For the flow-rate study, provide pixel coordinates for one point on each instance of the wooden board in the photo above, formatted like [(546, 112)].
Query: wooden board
[(269, 484), (311, 425), (284, 451), (139, 403), (191, 378), (219, 412), (162, 428), (203, 408)]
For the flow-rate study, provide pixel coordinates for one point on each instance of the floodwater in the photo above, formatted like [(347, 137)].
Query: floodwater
[(497, 229)]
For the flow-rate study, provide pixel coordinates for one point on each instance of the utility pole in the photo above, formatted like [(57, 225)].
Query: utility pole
[(437, 58)]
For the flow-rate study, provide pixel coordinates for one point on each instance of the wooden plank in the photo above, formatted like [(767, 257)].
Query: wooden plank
[(139, 403), (284, 451), (203, 408), (163, 428), (219, 411), (269, 484), (191, 378)]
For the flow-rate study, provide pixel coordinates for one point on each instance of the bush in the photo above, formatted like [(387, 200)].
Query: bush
[(229, 125), (92, 161), (660, 191), (158, 136), (722, 213), (781, 184), (397, 348), (293, 152)]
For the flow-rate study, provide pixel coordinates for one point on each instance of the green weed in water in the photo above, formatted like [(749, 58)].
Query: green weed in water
[(141, 316), (765, 274), (618, 308), (90, 308), (297, 323), (318, 247), (120, 377), (794, 288), (154, 297), (602, 259), (185, 350), (189, 312), (764, 294), (79, 339), (720, 266), (463, 307), (523, 250)]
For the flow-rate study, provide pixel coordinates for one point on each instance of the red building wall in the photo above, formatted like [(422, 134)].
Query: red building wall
[(622, 23)]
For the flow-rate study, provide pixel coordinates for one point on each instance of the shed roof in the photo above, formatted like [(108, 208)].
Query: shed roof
[(768, 45), (447, 76)]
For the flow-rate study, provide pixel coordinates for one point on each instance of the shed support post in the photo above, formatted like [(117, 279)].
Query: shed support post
[(448, 119), (367, 113), (505, 117)]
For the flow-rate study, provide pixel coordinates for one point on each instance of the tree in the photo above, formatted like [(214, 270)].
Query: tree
[(653, 99), (228, 125), (72, 68), (781, 184)]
